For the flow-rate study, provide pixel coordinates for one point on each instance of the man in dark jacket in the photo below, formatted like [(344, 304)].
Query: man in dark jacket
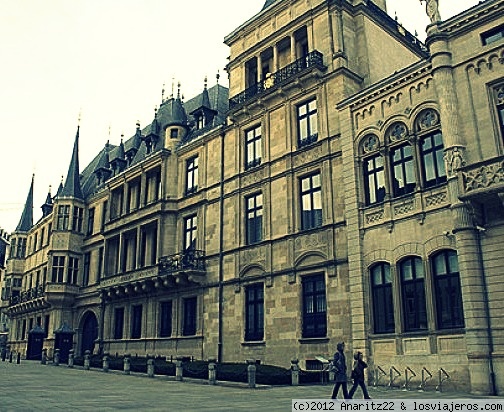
[(358, 376), (340, 371)]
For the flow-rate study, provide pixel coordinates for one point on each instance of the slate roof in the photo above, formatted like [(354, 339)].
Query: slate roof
[(268, 3), (72, 186), (26, 221)]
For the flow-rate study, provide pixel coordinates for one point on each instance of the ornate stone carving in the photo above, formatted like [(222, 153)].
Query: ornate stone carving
[(397, 132), (432, 9), (435, 199), (316, 241), (427, 119), (374, 216), (454, 160), (484, 176), (404, 208), (370, 143)]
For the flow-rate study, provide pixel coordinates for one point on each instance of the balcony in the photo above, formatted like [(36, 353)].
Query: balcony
[(480, 182), (315, 59), (181, 269), (31, 299), (61, 294)]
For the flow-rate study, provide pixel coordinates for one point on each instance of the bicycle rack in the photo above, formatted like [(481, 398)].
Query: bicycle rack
[(443, 377), (392, 378), (378, 373), (426, 375), (407, 378)]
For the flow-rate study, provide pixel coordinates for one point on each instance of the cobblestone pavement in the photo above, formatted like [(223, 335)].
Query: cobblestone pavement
[(31, 386)]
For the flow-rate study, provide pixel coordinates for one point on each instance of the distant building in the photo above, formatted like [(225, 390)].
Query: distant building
[(347, 187), (4, 286)]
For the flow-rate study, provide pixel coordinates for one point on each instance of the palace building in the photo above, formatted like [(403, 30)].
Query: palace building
[(348, 185)]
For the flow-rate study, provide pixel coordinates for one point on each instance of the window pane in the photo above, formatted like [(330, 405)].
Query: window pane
[(453, 261), (406, 270), (440, 265), (419, 269)]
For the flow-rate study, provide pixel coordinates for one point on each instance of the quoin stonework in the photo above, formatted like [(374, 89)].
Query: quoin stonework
[(347, 186)]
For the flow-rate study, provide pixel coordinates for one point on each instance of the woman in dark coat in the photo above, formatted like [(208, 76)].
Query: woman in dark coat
[(358, 376), (340, 371)]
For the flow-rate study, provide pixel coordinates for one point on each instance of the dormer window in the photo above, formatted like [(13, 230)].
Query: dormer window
[(174, 133), (200, 121)]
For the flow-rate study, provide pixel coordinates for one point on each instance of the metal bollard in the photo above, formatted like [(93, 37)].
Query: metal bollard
[(10, 357), (4, 355), (127, 364), (43, 360), (178, 369), (150, 367), (56, 359), (18, 358), (295, 372), (71, 358), (251, 373), (87, 360), (212, 372), (105, 363)]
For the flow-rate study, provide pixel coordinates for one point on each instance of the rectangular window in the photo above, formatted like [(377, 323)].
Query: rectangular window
[(104, 214), (307, 123), (314, 307), (23, 331), (78, 213), (133, 200), (254, 213), (73, 270), (58, 268), (136, 322), (433, 165), (165, 319), (85, 272), (403, 170), (254, 312), (192, 175), (189, 321), (90, 224), (190, 232), (116, 203), (311, 202), (118, 323), (374, 179), (148, 246), (253, 147), (129, 245), (46, 325), (63, 217), (493, 35), (152, 186)]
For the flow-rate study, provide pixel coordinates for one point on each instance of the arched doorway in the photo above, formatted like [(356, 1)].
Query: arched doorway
[(89, 332)]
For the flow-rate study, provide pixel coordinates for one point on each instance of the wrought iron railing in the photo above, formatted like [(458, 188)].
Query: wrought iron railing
[(191, 259), (312, 59), (27, 295)]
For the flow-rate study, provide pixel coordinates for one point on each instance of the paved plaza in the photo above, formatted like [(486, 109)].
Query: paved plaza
[(30, 386)]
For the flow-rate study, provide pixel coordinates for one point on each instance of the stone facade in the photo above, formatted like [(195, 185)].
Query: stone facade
[(350, 191)]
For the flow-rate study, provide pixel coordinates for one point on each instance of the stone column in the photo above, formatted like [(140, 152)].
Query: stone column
[(178, 369), (87, 360), (293, 48), (71, 358), (127, 364)]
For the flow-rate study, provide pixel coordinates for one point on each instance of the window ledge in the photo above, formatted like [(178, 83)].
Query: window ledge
[(254, 343), (324, 339)]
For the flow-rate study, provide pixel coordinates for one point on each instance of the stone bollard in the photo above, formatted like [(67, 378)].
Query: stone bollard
[(87, 360), (71, 358), (212, 372), (251, 372), (150, 367), (43, 360), (127, 364), (18, 361), (295, 372), (178, 369), (105, 365), (56, 359)]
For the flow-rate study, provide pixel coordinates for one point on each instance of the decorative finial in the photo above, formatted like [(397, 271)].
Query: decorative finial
[(178, 90), (109, 129), (61, 179), (79, 117), (155, 111), (206, 82), (172, 86), (162, 93), (217, 76)]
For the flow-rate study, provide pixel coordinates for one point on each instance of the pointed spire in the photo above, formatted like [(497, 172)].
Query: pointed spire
[(72, 187), (26, 221), (48, 205)]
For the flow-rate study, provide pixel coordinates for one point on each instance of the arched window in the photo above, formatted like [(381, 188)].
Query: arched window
[(374, 172), (413, 294), (383, 305), (431, 148), (449, 310), (402, 162)]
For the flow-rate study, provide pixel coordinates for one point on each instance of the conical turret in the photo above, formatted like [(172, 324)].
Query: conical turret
[(72, 186), (26, 221)]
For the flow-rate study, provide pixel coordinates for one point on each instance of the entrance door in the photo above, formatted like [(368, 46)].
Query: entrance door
[(35, 343), (89, 333)]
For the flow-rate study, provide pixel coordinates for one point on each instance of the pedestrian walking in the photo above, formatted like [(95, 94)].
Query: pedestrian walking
[(358, 376), (340, 371)]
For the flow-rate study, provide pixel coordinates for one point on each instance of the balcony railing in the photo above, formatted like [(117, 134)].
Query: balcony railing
[(312, 59), (482, 178), (28, 295), (183, 261)]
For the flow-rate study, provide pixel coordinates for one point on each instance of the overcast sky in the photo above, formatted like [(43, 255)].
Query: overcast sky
[(108, 60)]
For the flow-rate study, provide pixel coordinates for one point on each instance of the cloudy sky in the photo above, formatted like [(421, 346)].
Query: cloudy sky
[(108, 61)]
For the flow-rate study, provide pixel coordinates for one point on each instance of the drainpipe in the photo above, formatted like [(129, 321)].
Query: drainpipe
[(493, 384), (102, 322), (221, 254)]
